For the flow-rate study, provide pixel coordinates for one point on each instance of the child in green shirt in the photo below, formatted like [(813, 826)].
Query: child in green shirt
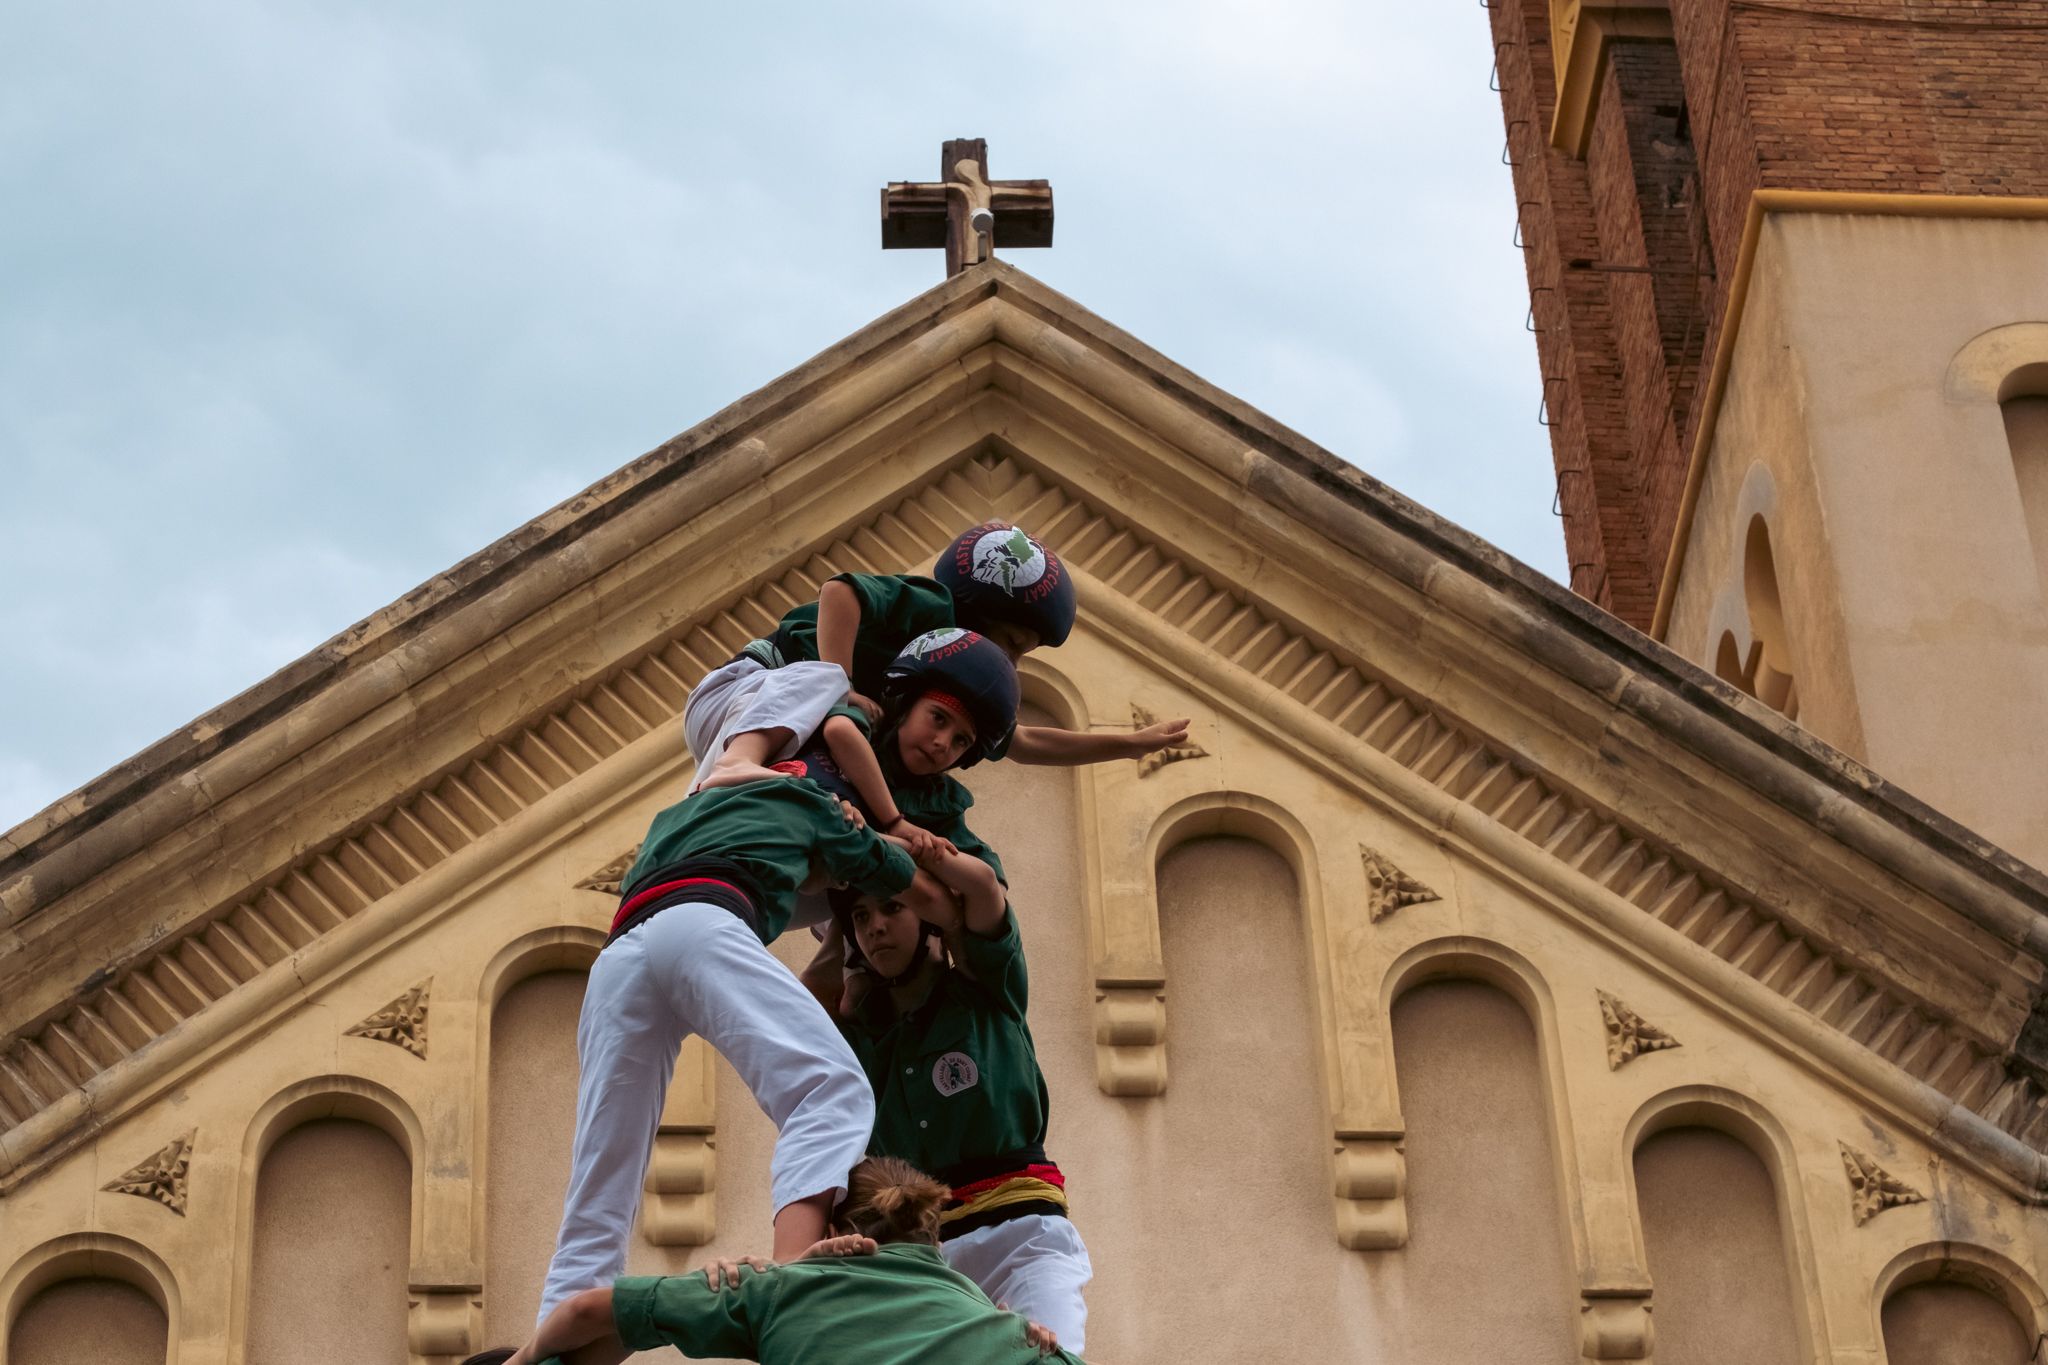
[(878, 1294), (716, 882), (958, 1089), (994, 579)]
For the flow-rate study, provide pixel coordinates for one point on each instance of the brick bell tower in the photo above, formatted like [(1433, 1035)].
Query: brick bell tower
[(1788, 275)]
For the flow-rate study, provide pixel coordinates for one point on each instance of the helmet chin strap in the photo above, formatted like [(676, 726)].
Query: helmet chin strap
[(925, 934)]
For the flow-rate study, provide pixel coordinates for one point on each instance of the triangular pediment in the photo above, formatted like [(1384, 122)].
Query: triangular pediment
[(280, 845)]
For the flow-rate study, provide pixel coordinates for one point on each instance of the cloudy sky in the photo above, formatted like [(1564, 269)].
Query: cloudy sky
[(303, 302)]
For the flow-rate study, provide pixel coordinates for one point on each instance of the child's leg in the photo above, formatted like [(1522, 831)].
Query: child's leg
[(767, 717), (1035, 1265), (626, 1045), (581, 1331), (720, 696), (753, 1010)]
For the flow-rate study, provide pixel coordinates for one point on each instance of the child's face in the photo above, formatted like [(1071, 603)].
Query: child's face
[(932, 738), (886, 932), (1013, 639)]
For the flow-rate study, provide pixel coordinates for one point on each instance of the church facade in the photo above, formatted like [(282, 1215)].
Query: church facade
[(1482, 981)]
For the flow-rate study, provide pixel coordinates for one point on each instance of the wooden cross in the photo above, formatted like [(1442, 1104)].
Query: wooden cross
[(966, 212)]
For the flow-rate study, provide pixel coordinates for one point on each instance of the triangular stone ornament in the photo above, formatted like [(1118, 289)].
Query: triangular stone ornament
[(1152, 763), (1387, 887), (162, 1177), (606, 879), (1873, 1189), (403, 1021), (1629, 1035)]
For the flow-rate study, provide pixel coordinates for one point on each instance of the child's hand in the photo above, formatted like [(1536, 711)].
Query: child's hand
[(1164, 734), (871, 707), (922, 844), (729, 1271), (1036, 1334), (851, 1244), (852, 813)]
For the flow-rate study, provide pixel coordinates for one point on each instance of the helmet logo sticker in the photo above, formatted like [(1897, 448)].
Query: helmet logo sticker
[(938, 644), (954, 1073), (1008, 559)]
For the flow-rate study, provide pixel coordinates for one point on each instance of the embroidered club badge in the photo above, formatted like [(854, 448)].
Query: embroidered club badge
[(954, 1073)]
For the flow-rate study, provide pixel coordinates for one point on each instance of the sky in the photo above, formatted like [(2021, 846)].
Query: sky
[(302, 303)]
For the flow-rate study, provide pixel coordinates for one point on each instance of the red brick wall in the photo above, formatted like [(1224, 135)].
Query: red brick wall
[(1920, 96)]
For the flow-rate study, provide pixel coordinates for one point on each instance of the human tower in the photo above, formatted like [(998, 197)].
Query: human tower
[(917, 1216)]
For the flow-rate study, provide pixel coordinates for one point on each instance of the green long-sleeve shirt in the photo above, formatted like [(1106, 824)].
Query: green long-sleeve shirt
[(939, 803), (773, 830), (894, 610), (901, 1306)]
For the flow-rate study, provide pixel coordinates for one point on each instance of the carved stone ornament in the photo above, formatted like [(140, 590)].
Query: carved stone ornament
[(1629, 1035), (607, 879), (162, 1177), (1153, 762), (403, 1021), (1387, 887), (1873, 1189)]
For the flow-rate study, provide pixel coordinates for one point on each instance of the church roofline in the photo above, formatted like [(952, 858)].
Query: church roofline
[(179, 777)]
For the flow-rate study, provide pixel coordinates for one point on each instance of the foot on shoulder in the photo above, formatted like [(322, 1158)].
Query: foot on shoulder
[(735, 775)]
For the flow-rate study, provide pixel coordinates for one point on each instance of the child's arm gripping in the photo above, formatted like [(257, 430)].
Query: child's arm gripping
[(1050, 745), (839, 616), (982, 897), (856, 759)]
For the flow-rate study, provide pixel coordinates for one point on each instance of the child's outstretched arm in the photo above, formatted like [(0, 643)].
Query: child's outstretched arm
[(839, 615), (1050, 745)]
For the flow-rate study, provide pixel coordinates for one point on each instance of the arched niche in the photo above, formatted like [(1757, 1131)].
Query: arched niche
[(1240, 1139), (1489, 1267), (1260, 820), (1052, 692), (2008, 367), (1713, 1182), (530, 1000), (1951, 1303), (120, 1327), (2023, 404), (334, 1174)]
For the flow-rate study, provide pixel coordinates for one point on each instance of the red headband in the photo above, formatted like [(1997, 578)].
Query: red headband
[(951, 703)]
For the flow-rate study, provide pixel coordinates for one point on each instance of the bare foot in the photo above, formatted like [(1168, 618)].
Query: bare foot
[(725, 774)]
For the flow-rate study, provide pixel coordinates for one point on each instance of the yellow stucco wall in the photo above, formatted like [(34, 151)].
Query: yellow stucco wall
[(1861, 419)]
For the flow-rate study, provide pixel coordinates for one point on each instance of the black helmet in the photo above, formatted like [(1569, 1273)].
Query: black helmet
[(968, 667), (997, 572)]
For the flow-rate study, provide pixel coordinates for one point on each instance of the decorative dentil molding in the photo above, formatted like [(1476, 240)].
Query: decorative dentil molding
[(402, 1022), (1387, 887), (229, 946), (608, 880), (1873, 1189), (162, 1177), (1177, 753), (1629, 1035)]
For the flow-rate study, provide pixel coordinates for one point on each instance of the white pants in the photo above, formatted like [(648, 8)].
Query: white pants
[(696, 968), (1036, 1266), (743, 695)]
